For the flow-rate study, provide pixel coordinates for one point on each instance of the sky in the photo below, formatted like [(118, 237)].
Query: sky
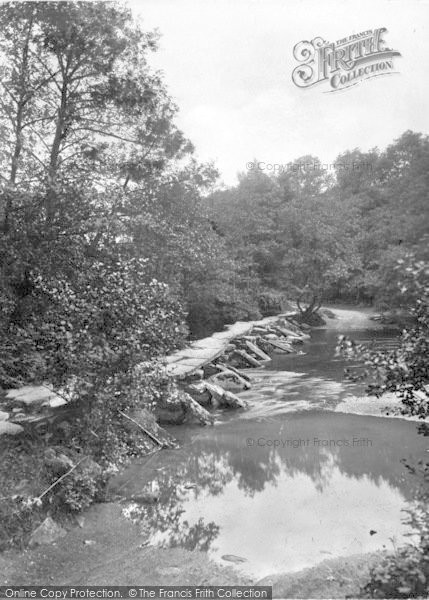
[(228, 66)]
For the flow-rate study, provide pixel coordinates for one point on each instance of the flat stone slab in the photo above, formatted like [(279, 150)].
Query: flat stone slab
[(7, 428), (204, 351), (31, 394), (55, 402), (208, 343), (179, 369), (3, 415)]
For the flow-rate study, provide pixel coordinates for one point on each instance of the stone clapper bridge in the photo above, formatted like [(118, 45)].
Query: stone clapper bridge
[(208, 374)]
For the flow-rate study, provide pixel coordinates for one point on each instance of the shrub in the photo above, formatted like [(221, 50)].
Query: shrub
[(405, 573), (270, 303)]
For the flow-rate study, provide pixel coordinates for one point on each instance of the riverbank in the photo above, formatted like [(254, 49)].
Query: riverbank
[(222, 473), (117, 555)]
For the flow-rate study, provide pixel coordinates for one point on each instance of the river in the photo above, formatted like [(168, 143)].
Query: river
[(297, 479), (293, 480)]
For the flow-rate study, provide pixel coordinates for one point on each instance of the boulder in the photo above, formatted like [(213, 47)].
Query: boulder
[(230, 381), (7, 428), (46, 533), (31, 395), (250, 360), (260, 330), (257, 351), (281, 346), (221, 397), (143, 420), (215, 391), (193, 409), (230, 400), (234, 370), (199, 393), (196, 375), (19, 416), (231, 373), (3, 415)]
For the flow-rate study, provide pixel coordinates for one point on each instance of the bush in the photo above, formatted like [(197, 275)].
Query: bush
[(405, 573), (271, 303)]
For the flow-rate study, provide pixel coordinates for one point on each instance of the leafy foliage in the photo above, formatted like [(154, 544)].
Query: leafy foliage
[(405, 573), (405, 370)]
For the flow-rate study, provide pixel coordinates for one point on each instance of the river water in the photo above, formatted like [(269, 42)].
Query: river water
[(289, 482)]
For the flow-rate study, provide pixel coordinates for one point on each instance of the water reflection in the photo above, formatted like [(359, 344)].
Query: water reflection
[(281, 508)]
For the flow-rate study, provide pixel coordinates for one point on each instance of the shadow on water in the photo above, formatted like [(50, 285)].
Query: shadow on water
[(283, 490)]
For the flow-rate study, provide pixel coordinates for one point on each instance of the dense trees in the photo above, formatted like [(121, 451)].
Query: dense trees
[(323, 234), (96, 179), (104, 209)]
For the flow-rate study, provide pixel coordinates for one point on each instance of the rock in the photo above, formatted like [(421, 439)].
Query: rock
[(230, 381), (49, 531), (7, 428), (147, 420), (282, 346), (3, 415), (215, 391), (259, 353), (55, 402), (210, 369), (196, 375), (89, 542), (232, 401), (190, 486), (260, 330), (199, 393), (284, 332), (240, 373), (31, 395), (253, 362), (192, 408), (221, 397), (233, 558), (19, 416)]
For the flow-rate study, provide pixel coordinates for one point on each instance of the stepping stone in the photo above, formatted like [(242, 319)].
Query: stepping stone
[(55, 402), (30, 395)]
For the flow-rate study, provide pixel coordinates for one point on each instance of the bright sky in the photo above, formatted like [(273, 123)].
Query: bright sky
[(228, 65)]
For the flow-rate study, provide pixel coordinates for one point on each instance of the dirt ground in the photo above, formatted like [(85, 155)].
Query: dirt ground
[(110, 550)]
